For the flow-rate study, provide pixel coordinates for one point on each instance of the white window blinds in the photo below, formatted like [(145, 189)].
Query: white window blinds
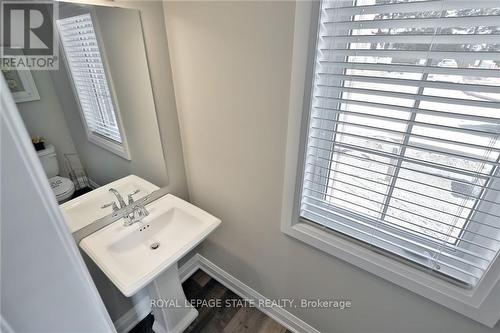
[(403, 138), (86, 66)]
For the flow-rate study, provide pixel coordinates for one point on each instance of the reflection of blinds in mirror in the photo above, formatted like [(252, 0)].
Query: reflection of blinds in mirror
[(87, 71), (403, 144)]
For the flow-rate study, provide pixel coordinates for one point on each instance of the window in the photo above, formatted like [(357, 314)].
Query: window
[(403, 144), (393, 165), (393, 146), (88, 73)]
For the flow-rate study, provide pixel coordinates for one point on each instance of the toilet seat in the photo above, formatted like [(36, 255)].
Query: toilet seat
[(63, 188)]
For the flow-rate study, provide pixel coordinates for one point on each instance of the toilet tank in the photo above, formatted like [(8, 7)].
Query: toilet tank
[(48, 157)]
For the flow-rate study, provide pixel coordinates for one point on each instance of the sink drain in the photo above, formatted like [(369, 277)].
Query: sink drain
[(154, 246)]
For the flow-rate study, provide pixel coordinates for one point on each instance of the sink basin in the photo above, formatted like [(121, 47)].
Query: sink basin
[(145, 254), (134, 256), (85, 209)]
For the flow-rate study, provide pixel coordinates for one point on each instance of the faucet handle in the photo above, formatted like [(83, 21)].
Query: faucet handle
[(130, 199), (112, 204)]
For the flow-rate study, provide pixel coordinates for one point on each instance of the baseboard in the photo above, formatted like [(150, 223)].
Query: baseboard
[(133, 316), (189, 267), (279, 314)]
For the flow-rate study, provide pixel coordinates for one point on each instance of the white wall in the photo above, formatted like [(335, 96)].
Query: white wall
[(231, 65), (45, 117), (157, 51), (44, 284)]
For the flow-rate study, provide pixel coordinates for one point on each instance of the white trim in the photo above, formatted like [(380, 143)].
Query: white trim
[(481, 303), (189, 267), (30, 92), (297, 104), (107, 3), (120, 149), (115, 148), (279, 314), (35, 171), (133, 316)]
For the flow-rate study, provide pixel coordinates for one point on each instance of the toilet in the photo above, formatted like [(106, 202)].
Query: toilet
[(63, 187)]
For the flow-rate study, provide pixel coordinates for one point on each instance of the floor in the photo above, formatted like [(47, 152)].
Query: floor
[(231, 317)]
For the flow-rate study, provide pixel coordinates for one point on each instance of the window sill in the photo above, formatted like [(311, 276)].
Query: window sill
[(115, 148), (406, 252), (481, 303)]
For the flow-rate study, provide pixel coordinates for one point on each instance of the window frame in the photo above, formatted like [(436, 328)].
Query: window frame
[(120, 149), (480, 303)]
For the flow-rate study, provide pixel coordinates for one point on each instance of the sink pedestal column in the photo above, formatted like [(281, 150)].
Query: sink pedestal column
[(172, 312)]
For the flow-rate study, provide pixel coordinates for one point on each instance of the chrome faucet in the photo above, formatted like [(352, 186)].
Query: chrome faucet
[(138, 212), (130, 199), (132, 212), (118, 197), (111, 204)]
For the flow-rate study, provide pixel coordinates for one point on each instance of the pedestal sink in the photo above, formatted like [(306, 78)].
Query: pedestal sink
[(145, 254)]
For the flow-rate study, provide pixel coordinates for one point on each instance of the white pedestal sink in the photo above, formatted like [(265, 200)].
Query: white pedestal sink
[(145, 255), (177, 315)]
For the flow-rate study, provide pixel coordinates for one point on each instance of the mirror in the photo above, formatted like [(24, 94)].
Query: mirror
[(93, 120)]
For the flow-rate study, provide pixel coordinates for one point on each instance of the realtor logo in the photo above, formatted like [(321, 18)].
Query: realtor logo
[(28, 36)]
